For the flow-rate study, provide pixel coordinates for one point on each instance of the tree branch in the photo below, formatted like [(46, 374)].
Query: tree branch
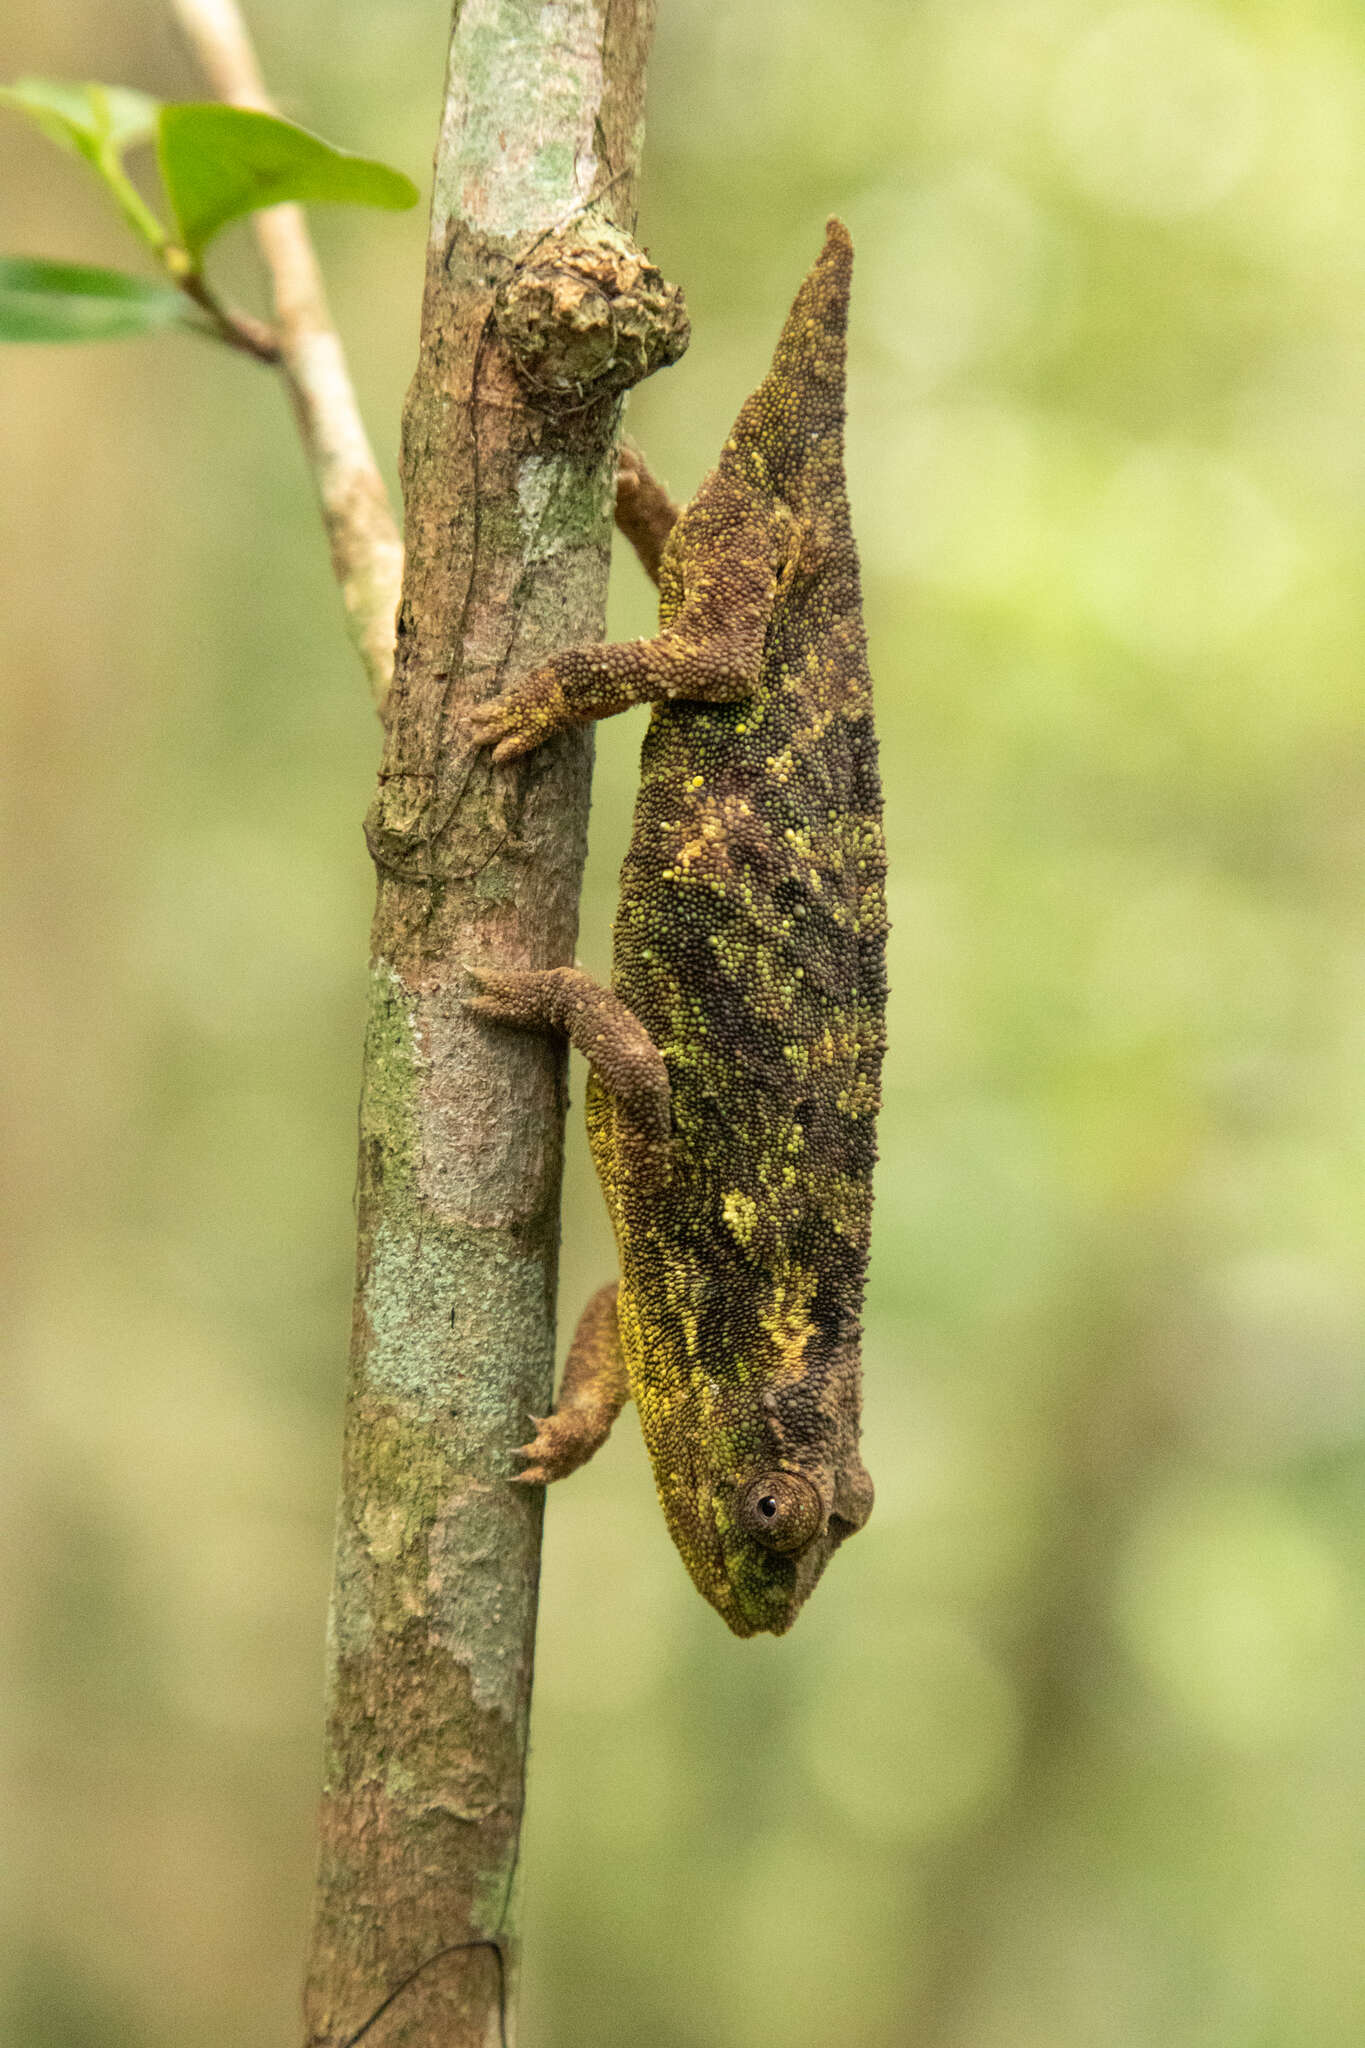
[(509, 492), (367, 552)]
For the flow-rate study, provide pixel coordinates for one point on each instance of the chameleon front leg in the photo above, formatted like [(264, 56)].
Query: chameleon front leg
[(593, 1391), (711, 651)]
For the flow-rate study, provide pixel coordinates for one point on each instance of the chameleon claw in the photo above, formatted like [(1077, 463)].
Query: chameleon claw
[(535, 1448)]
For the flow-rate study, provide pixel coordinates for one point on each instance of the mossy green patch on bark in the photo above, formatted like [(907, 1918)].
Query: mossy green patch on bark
[(446, 1308), (468, 1585), (562, 506), (381, 1556), (553, 164), (387, 1108), (493, 885), (429, 1544), (519, 83), (409, 1468)]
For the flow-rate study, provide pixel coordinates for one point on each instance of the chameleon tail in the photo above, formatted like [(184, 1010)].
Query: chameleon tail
[(794, 421)]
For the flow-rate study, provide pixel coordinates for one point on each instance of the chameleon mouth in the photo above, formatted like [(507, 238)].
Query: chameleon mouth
[(762, 1593)]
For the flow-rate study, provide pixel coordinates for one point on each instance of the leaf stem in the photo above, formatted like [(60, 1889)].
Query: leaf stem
[(131, 203), (239, 330)]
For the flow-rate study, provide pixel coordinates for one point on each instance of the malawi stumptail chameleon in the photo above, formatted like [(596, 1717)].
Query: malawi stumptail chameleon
[(735, 1060)]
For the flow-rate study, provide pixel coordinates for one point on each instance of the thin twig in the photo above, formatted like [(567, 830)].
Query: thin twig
[(367, 552), (239, 330)]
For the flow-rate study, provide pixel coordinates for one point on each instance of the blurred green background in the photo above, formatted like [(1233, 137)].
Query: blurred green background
[(1068, 1750)]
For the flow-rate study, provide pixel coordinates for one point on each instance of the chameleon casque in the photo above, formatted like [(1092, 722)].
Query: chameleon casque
[(735, 1061)]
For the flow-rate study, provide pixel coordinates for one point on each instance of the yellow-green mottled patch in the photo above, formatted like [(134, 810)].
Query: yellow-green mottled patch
[(741, 1214)]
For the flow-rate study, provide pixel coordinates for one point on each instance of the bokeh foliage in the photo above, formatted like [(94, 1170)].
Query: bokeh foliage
[(1067, 1751)]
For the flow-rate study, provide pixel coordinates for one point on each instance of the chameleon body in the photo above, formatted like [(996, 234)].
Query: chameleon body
[(736, 1058)]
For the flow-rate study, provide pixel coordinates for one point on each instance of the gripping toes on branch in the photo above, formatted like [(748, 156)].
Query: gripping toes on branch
[(592, 1394), (519, 722)]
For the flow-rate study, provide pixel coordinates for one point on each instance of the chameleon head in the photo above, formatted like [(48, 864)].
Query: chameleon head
[(756, 1525), (781, 1530)]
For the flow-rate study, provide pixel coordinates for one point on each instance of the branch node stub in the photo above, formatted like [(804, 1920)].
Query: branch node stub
[(588, 315)]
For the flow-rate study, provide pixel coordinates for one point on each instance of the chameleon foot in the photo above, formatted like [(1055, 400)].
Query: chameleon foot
[(521, 721), (592, 1395), (560, 1445)]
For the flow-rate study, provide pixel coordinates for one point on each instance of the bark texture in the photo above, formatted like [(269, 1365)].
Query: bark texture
[(509, 511)]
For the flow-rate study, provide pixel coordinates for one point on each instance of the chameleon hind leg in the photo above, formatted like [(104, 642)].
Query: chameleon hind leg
[(611, 1038), (592, 1392), (634, 1096)]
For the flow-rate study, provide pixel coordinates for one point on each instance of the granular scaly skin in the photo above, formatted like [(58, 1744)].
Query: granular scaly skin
[(736, 1060)]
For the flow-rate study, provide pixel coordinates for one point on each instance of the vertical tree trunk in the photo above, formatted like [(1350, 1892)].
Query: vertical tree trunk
[(508, 529)]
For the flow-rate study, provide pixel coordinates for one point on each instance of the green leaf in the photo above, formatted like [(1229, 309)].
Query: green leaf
[(219, 162), (92, 121), (128, 117), (74, 302), (98, 123)]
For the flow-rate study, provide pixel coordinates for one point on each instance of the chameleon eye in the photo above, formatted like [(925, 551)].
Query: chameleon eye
[(781, 1511)]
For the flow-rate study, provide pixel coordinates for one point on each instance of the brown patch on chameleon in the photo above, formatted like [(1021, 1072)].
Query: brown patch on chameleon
[(735, 1061)]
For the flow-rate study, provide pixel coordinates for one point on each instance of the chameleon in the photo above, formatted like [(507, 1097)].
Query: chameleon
[(734, 1063)]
